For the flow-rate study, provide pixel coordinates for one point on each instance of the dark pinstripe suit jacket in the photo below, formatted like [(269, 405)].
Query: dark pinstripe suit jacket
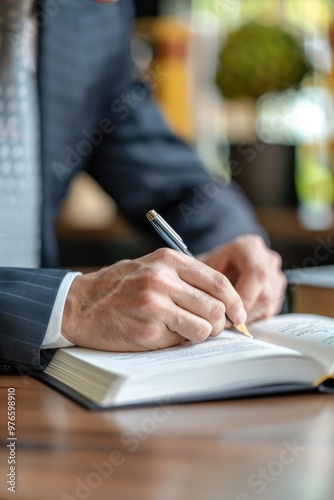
[(86, 90)]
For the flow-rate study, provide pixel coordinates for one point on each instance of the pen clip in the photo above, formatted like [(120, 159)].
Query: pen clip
[(165, 225), (167, 232)]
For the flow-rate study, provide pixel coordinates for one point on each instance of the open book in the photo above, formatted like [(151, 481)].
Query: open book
[(290, 352)]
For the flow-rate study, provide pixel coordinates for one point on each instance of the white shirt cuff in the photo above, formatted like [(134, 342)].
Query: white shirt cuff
[(53, 337)]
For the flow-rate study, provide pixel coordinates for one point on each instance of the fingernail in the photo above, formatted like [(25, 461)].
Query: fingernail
[(240, 317)]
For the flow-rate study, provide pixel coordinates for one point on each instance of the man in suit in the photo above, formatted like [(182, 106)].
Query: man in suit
[(96, 117)]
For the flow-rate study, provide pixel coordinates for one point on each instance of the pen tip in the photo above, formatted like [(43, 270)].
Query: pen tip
[(243, 329)]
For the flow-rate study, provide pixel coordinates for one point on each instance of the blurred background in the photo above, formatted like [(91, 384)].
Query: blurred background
[(250, 84)]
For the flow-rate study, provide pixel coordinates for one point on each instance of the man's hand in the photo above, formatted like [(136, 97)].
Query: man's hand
[(255, 272), (149, 303)]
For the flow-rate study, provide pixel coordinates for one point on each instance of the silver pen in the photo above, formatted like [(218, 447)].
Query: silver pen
[(174, 241)]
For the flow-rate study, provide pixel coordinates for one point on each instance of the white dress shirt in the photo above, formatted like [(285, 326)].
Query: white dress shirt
[(53, 337)]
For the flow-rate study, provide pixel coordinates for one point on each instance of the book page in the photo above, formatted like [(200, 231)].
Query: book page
[(228, 346), (309, 334)]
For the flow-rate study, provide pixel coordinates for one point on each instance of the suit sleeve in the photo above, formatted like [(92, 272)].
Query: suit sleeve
[(144, 166), (27, 297)]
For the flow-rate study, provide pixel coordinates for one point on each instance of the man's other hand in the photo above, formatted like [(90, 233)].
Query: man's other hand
[(255, 272)]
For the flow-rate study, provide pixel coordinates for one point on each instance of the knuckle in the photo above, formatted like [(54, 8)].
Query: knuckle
[(268, 304), (260, 271), (147, 301), (219, 282), (165, 254), (267, 299), (253, 240), (236, 303), (154, 279), (195, 329), (123, 261), (277, 259), (201, 333), (217, 310), (284, 282), (257, 240)]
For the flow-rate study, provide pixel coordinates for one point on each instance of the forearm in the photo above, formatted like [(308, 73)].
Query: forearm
[(144, 166)]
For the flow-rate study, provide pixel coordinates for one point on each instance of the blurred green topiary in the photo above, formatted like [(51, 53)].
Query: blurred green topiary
[(257, 59)]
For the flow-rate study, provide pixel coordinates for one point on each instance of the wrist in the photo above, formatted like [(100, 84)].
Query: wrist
[(69, 327)]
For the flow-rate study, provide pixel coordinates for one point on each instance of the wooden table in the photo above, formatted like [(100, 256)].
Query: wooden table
[(278, 448)]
